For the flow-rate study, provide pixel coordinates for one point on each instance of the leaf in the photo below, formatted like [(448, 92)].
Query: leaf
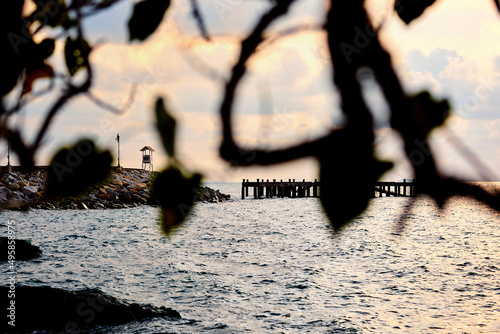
[(146, 18), (16, 45), (46, 48), (175, 193), (348, 172), (166, 125), (76, 53), (409, 10), (73, 170), (34, 72), (429, 113)]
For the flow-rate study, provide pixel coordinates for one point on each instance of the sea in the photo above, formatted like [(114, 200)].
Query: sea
[(274, 265)]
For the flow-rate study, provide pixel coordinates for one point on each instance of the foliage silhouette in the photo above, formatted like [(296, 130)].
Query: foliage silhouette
[(344, 154), (74, 169), (175, 188)]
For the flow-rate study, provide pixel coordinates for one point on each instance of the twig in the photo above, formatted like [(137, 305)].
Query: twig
[(291, 31), (229, 150), (485, 173), (71, 91), (112, 108), (199, 19), (202, 67)]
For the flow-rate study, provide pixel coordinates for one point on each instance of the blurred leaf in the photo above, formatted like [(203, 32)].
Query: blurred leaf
[(76, 53), (175, 194), (34, 72), (429, 113), (166, 125), (16, 45), (46, 48), (146, 18), (348, 173), (409, 10), (37, 68), (73, 170)]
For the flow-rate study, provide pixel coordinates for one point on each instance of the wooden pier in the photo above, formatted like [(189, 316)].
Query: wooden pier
[(395, 189), (280, 189), (298, 189)]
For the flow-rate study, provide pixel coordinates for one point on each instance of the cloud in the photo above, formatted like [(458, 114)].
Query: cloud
[(447, 74), (434, 63)]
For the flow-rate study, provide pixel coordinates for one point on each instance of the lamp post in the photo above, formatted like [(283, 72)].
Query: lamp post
[(118, 140), (9, 167)]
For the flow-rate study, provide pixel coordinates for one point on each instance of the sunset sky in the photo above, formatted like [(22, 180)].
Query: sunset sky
[(453, 51)]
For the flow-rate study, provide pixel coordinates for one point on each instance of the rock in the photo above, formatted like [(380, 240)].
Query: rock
[(127, 186), (127, 197), (131, 189), (49, 310), (4, 193), (210, 195), (117, 182), (13, 176), (23, 250), (48, 206), (104, 196), (139, 199), (29, 190), (141, 185), (15, 198), (19, 193)]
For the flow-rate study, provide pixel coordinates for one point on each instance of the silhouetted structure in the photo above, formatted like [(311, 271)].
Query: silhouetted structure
[(280, 188), (292, 188), (396, 189), (147, 158)]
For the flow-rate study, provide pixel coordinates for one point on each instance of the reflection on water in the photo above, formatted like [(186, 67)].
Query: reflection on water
[(271, 265)]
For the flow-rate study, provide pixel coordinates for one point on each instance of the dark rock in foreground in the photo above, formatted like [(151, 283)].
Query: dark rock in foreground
[(21, 250), (61, 311)]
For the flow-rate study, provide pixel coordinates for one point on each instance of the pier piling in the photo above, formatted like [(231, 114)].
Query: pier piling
[(299, 189)]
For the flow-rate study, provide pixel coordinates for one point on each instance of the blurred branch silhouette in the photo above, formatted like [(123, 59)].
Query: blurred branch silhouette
[(349, 151), (354, 44)]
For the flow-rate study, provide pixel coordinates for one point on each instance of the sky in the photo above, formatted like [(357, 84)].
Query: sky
[(453, 51)]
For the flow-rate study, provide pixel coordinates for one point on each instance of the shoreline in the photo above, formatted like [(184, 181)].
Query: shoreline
[(124, 188)]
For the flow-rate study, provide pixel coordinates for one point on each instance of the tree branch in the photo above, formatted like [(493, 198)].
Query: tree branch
[(112, 108), (229, 150)]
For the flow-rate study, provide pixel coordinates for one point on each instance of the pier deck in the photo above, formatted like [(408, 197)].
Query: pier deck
[(297, 189)]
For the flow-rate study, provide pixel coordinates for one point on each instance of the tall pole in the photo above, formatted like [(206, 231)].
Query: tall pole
[(8, 152), (118, 140)]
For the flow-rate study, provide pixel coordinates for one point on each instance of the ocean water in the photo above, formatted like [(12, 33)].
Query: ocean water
[(272, 265)]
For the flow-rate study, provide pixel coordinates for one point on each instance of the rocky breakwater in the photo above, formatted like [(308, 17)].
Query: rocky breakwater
[(125, 188)]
